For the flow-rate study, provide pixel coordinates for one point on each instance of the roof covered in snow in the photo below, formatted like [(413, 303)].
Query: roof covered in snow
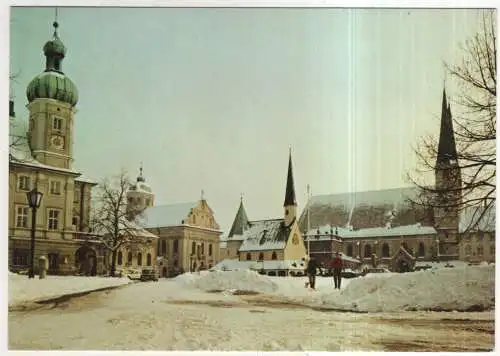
[(166, 215), (478, 219), (325, 232), (365, 209), (265, 235)]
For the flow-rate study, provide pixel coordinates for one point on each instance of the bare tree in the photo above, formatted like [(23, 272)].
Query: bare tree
[(473, 189), (110, 218)]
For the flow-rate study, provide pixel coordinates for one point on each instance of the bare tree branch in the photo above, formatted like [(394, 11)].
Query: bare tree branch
[(110, 219)]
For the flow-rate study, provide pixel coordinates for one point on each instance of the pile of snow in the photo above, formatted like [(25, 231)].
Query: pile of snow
[(238, 280), (22, 289), (461, 289)]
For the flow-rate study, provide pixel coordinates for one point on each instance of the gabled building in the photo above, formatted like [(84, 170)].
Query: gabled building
[(268, 240), (188, 234), (41, 157)]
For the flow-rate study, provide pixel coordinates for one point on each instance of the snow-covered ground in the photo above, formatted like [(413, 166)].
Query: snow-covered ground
[(203, 311), (22, 289), (461, 288)]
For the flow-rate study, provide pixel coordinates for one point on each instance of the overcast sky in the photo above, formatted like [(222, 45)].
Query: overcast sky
[(212, 99)]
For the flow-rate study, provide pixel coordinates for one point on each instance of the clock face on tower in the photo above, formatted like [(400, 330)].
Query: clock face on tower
[(57, 142)]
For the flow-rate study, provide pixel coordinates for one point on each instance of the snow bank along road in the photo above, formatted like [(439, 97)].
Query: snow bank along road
[(195, 312)]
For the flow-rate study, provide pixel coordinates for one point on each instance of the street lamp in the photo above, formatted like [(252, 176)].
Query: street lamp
[(34, 200)]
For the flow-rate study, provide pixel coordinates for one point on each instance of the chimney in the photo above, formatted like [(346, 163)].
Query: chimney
[(11, 109)]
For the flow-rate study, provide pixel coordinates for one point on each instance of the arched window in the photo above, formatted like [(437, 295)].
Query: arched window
[(202, 248), (468, 250), (139, 259), (129, 258), (164, 247), (274, 256), (261, 256), (148, 259), (421, 249), (210, 249), (193, 248), (368, 251), (349, 250), (249, 257), (385, 250), (176, 246), (120, 258)]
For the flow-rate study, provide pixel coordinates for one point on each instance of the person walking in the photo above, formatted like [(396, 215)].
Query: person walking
[(337, 266), (312, 267)]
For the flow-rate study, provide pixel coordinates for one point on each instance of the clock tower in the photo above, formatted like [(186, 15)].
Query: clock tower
[(52, 97)]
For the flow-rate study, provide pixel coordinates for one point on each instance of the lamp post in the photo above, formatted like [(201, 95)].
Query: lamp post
[(308, 222), (34, 199)]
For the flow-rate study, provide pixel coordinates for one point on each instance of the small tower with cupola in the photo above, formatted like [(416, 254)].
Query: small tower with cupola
[(139, 196), (52, 97)]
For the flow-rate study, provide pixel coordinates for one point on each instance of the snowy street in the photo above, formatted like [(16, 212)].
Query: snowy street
[(190, 312)]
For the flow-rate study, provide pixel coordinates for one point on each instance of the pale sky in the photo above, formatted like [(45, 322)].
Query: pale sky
[(212, 99)]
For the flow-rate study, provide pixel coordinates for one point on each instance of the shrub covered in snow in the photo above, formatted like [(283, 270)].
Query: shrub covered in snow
[(238, 280)]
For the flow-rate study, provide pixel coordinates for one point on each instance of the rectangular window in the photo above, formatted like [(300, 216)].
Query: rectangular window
[(53, 219), (20, 257), (74, 221), (22, 216), (23, 183), (55, 187), (57, 123), (76, 197)]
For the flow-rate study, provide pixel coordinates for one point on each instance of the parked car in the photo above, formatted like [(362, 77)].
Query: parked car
[(148, 274), (375, 270), (349, 273)]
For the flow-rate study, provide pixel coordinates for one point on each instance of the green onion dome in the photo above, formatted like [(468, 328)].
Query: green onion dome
[(53, 83)]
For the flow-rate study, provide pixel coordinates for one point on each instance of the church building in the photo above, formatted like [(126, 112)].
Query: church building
[(41, 157), (385, 227), (272, 246)]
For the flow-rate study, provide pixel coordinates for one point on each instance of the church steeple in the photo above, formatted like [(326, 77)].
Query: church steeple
[(290, 204), (290, 188), (447, 150), (240, 223), (448, 184)]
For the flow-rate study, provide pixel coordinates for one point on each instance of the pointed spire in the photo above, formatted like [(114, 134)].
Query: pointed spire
[(447, 149), (290, 188), (240, 223), (202, 195)]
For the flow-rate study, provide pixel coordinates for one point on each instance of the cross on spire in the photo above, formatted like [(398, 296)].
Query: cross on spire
[(55, 24)]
